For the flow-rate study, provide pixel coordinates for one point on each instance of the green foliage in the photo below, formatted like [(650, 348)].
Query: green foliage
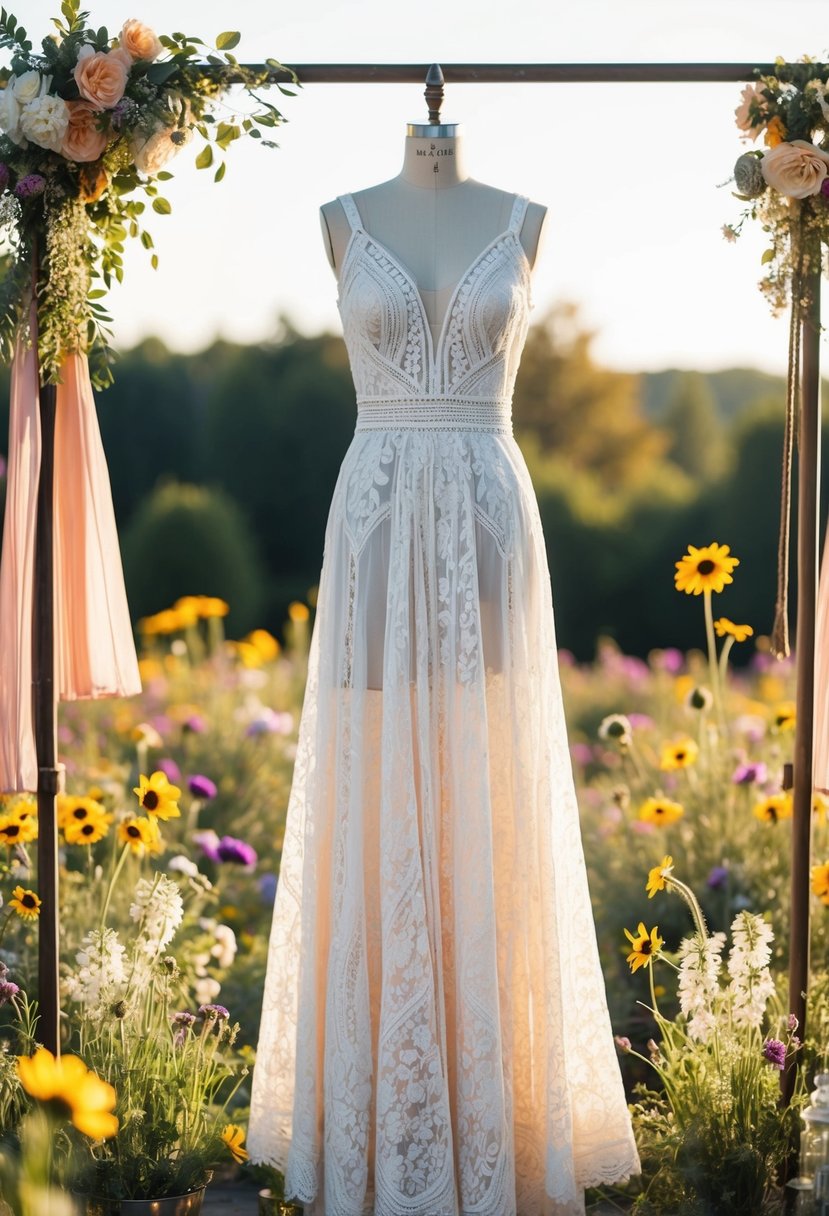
[(191, 540)]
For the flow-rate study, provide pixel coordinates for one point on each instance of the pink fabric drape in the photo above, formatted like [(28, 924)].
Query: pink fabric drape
[(94, 647), (821, 729)]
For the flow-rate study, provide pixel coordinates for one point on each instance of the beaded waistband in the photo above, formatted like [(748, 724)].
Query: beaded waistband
[(491, 414)]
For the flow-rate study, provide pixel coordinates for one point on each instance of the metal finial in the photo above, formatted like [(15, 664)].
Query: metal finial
[(434, 93)]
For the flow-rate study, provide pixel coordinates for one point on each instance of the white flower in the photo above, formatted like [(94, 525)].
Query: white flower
[(618, 728), (44, 121), (183, 865), (206, 990), (29, 86), (101, 971), (158, 910), (751, 982), (10, 115), (224, 951), (699, 969)]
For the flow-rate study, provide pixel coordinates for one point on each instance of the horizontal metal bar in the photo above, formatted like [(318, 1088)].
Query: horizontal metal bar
[(518, 73)]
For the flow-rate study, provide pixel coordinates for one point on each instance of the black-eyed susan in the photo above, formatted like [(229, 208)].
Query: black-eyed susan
[(785, 716), (681, 754), (157, 796), (820, 882), (71, 1091), (142, 835), (233, 1137), (14, 830), (89, 831), (706, 569), (774, 807), (661, 811), (25, 903), (726, 628), (658, 876), (73, 809), (644, 946)]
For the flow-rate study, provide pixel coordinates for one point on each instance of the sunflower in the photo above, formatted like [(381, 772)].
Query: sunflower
[(658, 876), (644, 946), (157, 796), (25, 903), (71, 1090), (16, 830), (681, 754), (726, 628), (785, 716), (774, 807), (707, 569), (74, 810), (233, 1137), (820, 882), (89, 831), (661, 811), (142, 835)]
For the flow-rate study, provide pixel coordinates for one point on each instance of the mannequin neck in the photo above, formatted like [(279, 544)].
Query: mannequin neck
[(434, 164)]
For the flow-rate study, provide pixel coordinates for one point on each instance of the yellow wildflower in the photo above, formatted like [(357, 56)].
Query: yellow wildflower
[(68, 1085), (705, 569), (157, 796), (233, 1137), (76, 810), (142, 835), (661, 811), (726, 628), (264, 642), (17, 830), (681, 754), (644, 946), (25, 903), (774, 807), (658, 876), (785, 716), (298, 611), (820, 882)]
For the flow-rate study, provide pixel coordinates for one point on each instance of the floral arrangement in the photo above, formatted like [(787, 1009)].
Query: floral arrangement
[(88, 122), (786, 186)]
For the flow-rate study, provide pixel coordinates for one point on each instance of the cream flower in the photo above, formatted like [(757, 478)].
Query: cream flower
[(29, 86), (10, 115), (101, 76), (796, 169), (152, 153), (751, 96), (44, 122), (139, 41)]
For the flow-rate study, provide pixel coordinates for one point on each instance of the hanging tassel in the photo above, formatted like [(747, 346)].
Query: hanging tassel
[(779, 640)]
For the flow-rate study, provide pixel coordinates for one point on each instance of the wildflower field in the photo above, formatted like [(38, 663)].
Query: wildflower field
[(170, 835)]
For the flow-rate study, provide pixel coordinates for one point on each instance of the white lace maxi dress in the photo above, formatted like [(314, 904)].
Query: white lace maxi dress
[(435, 1038)]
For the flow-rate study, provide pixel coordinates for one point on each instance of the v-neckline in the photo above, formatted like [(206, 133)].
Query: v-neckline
[(433, 346)]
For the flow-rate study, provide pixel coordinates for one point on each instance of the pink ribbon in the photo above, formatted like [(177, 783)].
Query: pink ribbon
[(94, 646)]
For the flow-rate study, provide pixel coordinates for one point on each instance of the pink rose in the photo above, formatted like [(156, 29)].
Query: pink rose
[(82, 140), (139, 41), (796, 169), (101, 76), (751, 97)]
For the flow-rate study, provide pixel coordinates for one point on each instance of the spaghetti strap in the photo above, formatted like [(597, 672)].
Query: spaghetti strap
[(519, 210), (352, 214)]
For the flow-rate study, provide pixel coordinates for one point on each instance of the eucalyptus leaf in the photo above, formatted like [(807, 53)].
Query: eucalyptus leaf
[(162, 206), (228, 40), (205, 158)]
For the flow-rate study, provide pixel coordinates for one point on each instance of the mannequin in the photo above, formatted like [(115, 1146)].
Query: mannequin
[(433, 216)]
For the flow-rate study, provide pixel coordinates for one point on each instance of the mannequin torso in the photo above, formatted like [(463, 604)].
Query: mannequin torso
[(433, 218)]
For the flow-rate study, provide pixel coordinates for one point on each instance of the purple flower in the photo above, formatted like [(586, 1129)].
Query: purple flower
[(824, 187), (750, 774), (170, 770), (640, 721), (622, 1042), (208, 842), (717, 879), (792, 1022), (195, 723), (209, 1012), (4, 175), (582, 753), (269, 722), (4, 971), (775, 1052), (237, 851), (267, 889), (201, 786), (670, 660), (30, 186), (183, 1018), (7, 991)]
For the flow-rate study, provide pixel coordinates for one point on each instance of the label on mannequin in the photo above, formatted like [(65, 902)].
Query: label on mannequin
[(435, 151)]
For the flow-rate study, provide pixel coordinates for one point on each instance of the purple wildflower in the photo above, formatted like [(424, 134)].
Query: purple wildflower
[(30, 186), (717, 879), (170, 769), (670, 660), (208, 842), (209, 1012), (196, 724), (5, 176), (4, 971), (236, 851), (775, 1052), (824, 187), (267, 889), (792, 1022), (750, 774), (269, 722), (622, 1042), (7, 991), (183, 1018), (201, 786), (582, 753)]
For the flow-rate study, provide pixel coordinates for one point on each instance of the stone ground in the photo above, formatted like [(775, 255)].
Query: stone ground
[(241, 1199)]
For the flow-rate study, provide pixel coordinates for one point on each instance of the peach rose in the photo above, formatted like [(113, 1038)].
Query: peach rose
[(796, 169), (139, 41), (751, 99), (83, 141), (101, 76)]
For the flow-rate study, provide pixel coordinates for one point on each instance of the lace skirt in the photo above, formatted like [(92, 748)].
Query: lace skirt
[(435, 1038)]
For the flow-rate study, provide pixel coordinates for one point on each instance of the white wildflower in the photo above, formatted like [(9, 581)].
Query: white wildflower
[(751, 981), (617, 728), (224, 951), (699, 969), (101, 971), (44, 121), (183, 865), (206, 990), (158, 910)]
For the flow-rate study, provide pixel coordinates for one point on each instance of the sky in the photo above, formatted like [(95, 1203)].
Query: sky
[(635, 177)]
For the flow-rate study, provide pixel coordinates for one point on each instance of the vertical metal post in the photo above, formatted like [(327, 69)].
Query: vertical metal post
[(44, 717), (808, 483)]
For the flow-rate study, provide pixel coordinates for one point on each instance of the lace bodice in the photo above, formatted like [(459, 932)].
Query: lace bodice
[(390, 346)]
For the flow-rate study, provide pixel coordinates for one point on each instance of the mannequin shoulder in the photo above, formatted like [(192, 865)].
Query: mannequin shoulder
[(534, 230), (336, 231)]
